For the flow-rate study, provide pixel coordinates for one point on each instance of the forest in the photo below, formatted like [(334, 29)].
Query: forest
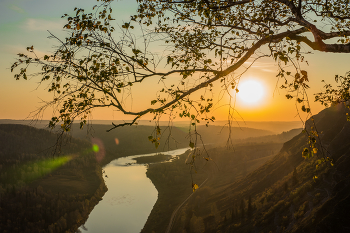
[(42, 192)]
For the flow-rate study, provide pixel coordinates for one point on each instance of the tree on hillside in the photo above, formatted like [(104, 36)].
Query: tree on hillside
[(295, 178), (206, 43), (250, 207), (242, 209)]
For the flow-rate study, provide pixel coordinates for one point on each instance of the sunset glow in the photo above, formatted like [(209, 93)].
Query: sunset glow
[(250, 91)]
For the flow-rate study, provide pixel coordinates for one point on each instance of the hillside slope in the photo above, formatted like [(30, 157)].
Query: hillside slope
[(40, 192), (281, 196)]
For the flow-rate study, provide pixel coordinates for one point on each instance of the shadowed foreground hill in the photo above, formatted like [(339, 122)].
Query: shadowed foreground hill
[(40, 192), (281, 196)]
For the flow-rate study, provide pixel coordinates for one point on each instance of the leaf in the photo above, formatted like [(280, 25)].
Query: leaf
[(306, 153), (126, 25), (191, 144), (156, 144), (304, 78), (194, 187), (289, 96)]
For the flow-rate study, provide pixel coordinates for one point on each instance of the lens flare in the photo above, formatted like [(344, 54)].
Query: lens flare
[(98, 148), (95, 148), (116, 141), (31, 171)]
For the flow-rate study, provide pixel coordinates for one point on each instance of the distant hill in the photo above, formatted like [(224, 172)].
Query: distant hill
[(133, 140), (220, 134), (276, 127), (280, 138)]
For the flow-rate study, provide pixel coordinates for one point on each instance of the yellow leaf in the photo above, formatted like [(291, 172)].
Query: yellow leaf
[(314, 150), (194, 187)]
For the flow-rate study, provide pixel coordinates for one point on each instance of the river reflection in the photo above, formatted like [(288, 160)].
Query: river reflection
[(129, 200)]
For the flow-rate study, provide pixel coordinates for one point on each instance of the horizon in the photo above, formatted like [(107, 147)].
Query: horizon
[(275, 127)]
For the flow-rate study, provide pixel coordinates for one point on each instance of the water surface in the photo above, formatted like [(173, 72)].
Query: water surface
[(129, 200)]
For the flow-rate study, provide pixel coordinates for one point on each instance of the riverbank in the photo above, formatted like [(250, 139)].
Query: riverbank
[(174, 184), (152, 159), (77, 187), (93, 201)]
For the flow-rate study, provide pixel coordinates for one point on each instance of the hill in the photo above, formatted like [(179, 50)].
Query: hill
[(174, 180), (282, 196), (133, 140), (277, 138), (286, 194), (41, 192)]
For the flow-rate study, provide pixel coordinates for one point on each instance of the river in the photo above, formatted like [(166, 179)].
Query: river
[(129, 200)]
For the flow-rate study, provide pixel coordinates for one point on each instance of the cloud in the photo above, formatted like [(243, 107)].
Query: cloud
[(16, 8), (269, 70), (260, 64), (43, 25), (15, 49)]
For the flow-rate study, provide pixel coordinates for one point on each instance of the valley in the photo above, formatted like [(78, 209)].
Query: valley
[(254, 184)]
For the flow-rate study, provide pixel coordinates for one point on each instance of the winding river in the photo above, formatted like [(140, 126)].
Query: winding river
[(129, 200)]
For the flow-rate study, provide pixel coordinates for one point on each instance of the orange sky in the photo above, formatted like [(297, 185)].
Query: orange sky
[(24, 23)]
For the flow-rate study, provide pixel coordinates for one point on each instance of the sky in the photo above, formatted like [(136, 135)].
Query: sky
[(25, 22)]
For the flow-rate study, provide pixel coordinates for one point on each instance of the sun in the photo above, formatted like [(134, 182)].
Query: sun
[(251, 91)]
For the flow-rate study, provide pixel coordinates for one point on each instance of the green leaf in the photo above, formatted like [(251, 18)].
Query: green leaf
[(156, 144)]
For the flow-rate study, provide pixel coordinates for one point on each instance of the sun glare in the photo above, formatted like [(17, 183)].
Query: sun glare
[(250, 91)]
